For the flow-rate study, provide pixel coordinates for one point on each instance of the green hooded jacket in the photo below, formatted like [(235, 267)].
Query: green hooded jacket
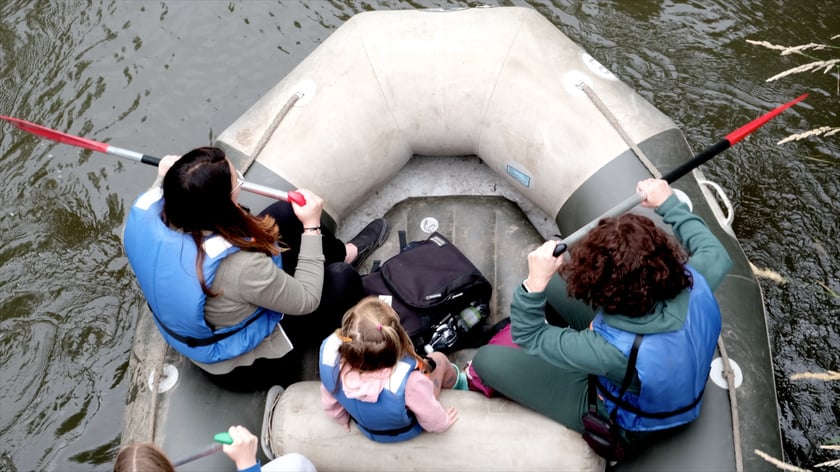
[(580, 349)]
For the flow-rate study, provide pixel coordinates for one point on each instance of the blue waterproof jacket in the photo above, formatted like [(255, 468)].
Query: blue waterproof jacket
[(164, 262), (672, 367), (387, 420)]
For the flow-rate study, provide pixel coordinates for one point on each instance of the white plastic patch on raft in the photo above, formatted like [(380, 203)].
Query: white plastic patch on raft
[(571, 80), (429, 225), (683, 197), (167, 380), (306, 88), (716, 374), (597, 67)]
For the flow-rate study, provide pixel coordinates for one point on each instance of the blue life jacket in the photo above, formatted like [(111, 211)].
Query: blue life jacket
[(672, 367), (387, 420), (164, 262)]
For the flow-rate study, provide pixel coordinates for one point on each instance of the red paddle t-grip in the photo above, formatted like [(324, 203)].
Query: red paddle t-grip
[(297, 198)]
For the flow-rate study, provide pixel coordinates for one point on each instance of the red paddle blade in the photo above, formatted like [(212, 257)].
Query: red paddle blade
[(748, 128), (56, 135)]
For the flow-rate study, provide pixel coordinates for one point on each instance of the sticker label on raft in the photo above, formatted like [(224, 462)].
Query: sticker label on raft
[(597, 67), (519, 175)]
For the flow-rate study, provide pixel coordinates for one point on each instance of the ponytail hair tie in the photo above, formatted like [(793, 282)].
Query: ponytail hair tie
[(345, 339), (379, 326)]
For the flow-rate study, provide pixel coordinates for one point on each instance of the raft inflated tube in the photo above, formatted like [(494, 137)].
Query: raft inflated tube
[(499, 83), (491, 434)]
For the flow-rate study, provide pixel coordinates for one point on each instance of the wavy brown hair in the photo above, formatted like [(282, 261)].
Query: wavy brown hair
[(625, 266), (373, 337), (197, 200)]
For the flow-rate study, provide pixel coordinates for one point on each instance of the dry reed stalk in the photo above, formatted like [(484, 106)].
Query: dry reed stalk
[(829, 464), (778, 463), (829, 290), (816, 65), (768, 274), (827, 376), (809, 67), (788, 50), (823, 130), (834, 463), (767, 45)]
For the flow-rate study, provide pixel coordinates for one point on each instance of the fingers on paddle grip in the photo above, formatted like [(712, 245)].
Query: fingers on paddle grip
[(559, 249), (296, 198)]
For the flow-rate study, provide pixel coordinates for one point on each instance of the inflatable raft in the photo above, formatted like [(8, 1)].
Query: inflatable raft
[(492, 127)]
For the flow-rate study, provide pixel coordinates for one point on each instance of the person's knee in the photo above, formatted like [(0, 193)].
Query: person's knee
[(342, 270), (342, 277), (480, 359), (486, 361)]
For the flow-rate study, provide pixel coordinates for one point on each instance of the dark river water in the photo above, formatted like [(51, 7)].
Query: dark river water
[(164, 76)]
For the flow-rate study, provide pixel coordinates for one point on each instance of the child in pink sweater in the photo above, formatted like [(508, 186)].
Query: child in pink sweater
[(371, 373)]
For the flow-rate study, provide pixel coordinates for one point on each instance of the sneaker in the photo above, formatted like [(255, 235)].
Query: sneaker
[(370, 238)]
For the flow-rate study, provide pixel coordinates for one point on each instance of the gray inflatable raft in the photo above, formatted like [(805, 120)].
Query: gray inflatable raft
[(473, 123)]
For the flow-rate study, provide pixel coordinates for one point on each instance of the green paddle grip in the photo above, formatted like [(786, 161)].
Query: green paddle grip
[(223, 438)]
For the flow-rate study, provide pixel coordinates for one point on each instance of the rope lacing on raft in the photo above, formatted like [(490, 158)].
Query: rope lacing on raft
[(619, 129), (729, 375), (269, 132)]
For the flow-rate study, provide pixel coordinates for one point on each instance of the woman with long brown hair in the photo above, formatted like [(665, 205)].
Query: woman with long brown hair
[(219, 280)]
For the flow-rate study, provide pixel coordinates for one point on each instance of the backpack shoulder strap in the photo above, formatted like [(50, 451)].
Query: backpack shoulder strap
[(403, 241)]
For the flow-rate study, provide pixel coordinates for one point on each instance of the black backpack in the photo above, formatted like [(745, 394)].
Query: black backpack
[(428, 280)]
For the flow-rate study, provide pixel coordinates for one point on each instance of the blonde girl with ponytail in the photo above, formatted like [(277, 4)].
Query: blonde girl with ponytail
[(371, 374)]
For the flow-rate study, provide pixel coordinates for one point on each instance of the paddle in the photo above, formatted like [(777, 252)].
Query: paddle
[(680, 171), (54, 135), (220, 440)]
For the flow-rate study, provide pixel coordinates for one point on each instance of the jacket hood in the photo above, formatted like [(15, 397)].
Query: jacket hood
[(663, 318), (365, 386)]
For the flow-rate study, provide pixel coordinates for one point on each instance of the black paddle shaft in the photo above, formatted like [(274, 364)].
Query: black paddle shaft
[(629, 203)]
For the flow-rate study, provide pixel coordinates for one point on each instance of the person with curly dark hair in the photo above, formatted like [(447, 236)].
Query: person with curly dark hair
[(626, 283)]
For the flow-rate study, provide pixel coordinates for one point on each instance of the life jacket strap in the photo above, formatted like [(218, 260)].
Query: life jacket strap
[(201, 342), (657, 415), (391, 432), (619, 400)]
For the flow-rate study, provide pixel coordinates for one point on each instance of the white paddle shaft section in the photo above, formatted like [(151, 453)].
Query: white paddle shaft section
[(258, 189), (269, 192), (125, 153)]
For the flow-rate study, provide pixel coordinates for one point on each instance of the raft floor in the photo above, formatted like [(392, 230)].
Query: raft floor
[(492, 231)]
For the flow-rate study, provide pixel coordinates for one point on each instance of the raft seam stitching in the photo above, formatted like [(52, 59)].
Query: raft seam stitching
[(496, 83)]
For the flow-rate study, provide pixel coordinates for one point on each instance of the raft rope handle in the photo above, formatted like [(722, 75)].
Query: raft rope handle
[(599, 104), (157, 363), (158, 373), (729, 375), (269, 132)]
